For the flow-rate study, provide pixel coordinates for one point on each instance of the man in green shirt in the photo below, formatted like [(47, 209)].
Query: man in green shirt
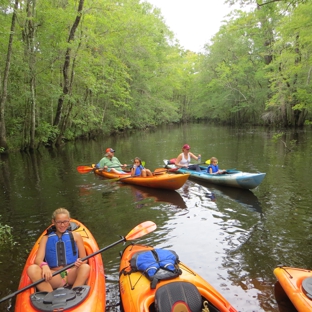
[(111, 163)]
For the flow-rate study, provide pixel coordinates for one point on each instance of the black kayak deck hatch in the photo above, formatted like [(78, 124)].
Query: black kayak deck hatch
[(307, 287)]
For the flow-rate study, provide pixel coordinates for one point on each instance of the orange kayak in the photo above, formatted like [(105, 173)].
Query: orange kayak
[(160, 180), (90, 297), (293, 289), (175, 294)]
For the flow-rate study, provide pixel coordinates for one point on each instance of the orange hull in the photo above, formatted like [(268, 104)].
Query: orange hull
[(161, 179), (136, 294), (290, 291), (96, 298), (165, 181)]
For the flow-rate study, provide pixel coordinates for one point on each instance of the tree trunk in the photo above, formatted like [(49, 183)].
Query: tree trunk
[(3, 141), (30, 44), (67, 83)]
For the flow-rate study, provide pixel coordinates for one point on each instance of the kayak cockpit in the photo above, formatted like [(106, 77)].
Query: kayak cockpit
[(178, 296)]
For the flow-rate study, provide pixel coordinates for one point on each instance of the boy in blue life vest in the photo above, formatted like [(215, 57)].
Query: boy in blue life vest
[(213, 168)]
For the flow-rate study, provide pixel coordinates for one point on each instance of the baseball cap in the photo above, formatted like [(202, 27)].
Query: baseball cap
[(109, 150), (186, 146)]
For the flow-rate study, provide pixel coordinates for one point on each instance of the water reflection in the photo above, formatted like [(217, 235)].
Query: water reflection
[(233, 238), (88, 189), (142, 194), (244, 197), (196, 195)]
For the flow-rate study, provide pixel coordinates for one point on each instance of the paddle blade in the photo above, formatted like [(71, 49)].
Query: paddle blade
[(84, 169), (174, 169), (160, 170), (207, 162), (141, 230)]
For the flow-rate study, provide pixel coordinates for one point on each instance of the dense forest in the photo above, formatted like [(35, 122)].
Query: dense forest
[(75, 69)]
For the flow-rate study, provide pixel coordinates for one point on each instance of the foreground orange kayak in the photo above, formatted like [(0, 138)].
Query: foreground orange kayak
[(90, 297), (185, 292), (293, 289)]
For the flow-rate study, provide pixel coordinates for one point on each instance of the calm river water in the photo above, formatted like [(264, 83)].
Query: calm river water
[(233, 238)]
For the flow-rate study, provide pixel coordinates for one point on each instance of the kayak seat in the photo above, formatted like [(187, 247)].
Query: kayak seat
[(73, 226), (178, 296)]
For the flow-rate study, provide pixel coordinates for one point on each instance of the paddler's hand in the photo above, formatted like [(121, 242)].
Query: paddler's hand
[(78, 263), (46, 273)]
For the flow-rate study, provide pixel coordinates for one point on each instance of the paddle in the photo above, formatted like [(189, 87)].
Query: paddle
[(226, 171), (170, 162), (87, 169), (207, 162), (161, 170), (157, 171), (137, 232), (84, 169)]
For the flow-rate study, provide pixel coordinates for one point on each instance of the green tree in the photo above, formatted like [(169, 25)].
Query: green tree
[(5, 80), (290, 71), (232, 81)]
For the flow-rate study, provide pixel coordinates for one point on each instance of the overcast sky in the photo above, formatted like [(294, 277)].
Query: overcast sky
[(193, 22)]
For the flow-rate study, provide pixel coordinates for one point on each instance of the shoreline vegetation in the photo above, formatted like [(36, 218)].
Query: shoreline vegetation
[(72, 70)]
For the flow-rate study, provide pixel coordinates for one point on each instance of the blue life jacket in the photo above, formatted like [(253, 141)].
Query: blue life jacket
[(138, 170), (156, 264), (60, 251), (215, 168)]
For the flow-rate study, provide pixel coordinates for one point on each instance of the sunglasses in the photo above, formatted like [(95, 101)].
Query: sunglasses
[(62, 222)]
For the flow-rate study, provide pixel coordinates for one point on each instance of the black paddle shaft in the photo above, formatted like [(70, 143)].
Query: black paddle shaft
[(62, 270)]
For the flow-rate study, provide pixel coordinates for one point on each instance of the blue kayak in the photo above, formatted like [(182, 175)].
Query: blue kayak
[(233, 178)]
